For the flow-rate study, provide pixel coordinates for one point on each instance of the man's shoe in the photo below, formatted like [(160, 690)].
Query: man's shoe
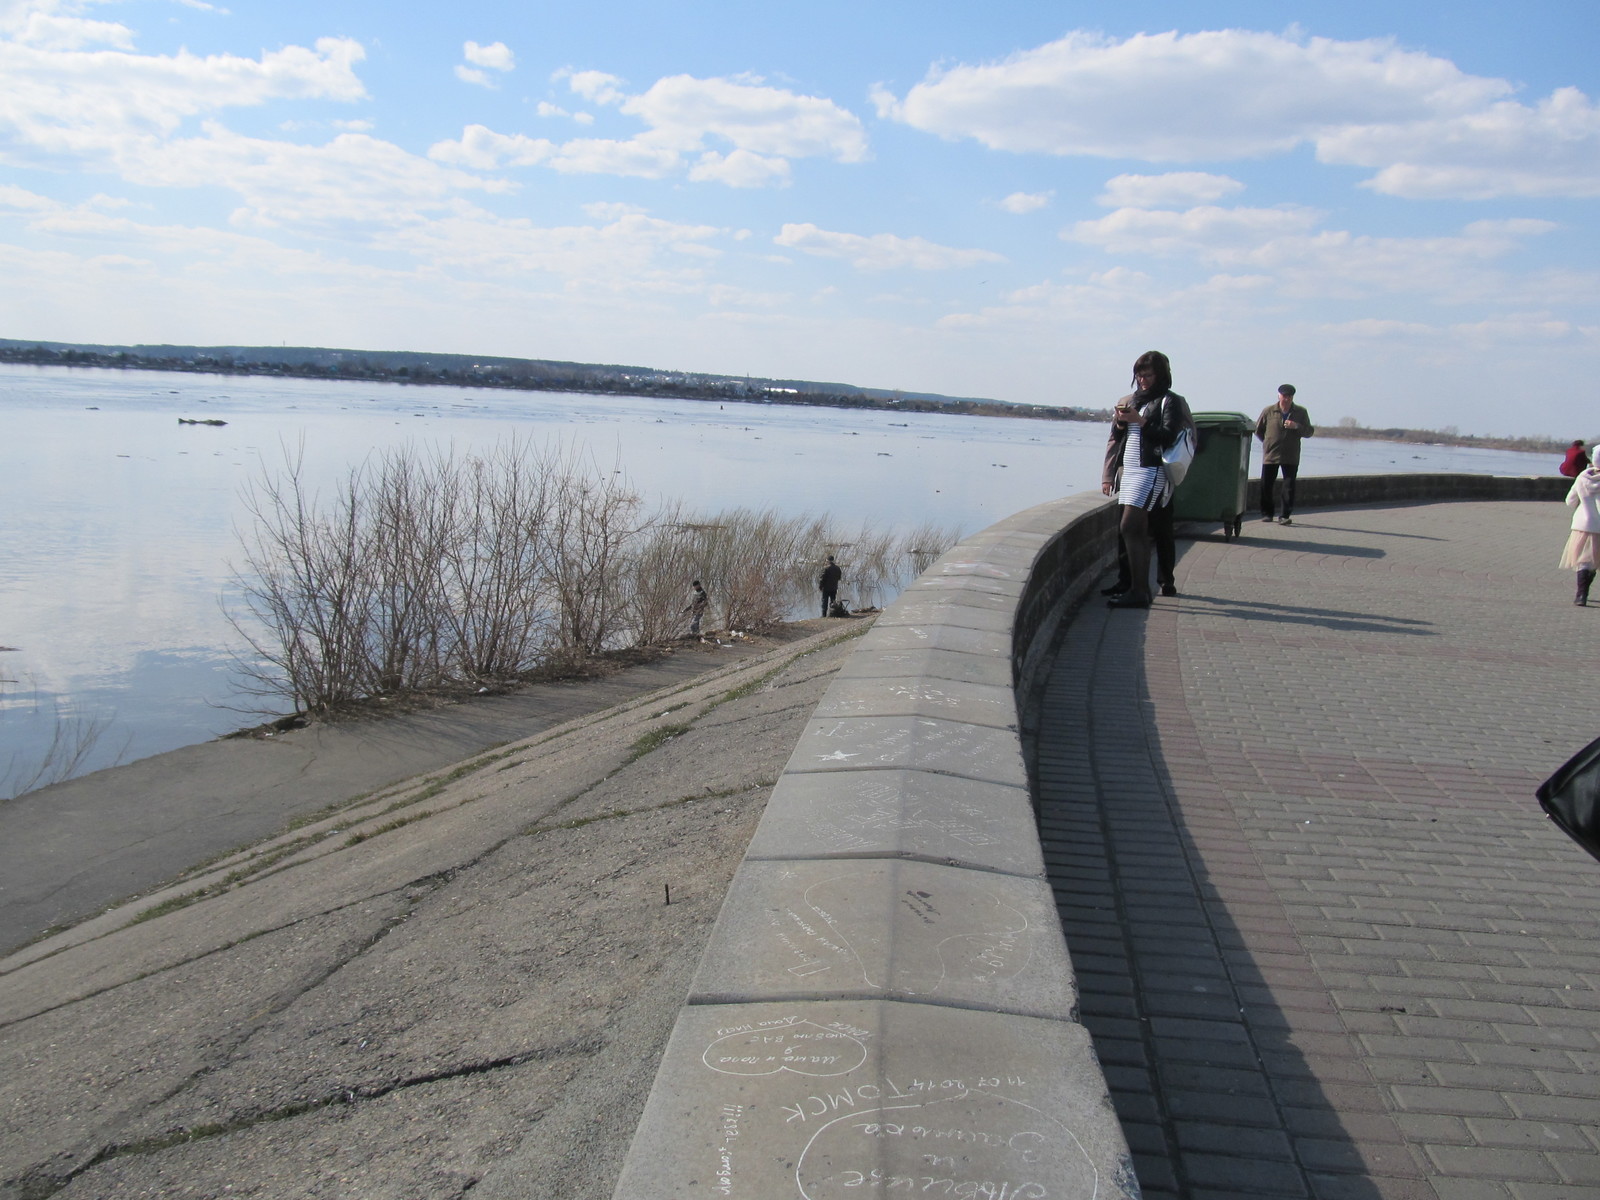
[(1267, 517), (1116, 589), (1285, 521), (1128, 601), (1168, 589)]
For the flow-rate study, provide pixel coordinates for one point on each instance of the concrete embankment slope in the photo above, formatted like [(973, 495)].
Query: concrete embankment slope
[(68, 851), (463, 982)]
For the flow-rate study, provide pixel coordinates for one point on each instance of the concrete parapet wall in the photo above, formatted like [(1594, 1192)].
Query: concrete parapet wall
[(1314, 491), (886, 1001)]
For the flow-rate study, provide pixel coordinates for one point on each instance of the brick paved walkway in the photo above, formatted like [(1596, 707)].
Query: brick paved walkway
[(1327, 943)]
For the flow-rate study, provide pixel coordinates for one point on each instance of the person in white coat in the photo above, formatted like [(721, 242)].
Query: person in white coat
[(1584, 499)]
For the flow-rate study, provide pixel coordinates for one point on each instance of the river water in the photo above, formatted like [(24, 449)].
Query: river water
[(119, 523)]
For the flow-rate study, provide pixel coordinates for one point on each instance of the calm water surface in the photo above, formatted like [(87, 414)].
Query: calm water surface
[(119, 523)]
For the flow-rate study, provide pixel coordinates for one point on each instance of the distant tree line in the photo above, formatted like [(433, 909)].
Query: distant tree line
[(1450, 435), (518, 374), (545, 375)]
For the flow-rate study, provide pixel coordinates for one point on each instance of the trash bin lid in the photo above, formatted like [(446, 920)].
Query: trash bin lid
[(1232, 422)]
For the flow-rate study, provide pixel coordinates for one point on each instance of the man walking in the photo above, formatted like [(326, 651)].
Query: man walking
[(1281, 427), (829, 583)]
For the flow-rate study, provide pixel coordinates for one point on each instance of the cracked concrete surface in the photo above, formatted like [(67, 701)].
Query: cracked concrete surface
[(462, 982)]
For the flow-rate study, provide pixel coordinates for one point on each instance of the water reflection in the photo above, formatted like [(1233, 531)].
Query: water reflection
[(119, 522)]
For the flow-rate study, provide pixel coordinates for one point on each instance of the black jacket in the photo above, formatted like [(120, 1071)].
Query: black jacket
[(1164, 418)]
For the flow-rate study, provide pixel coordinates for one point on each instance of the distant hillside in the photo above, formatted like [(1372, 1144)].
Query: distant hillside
[(412, 367)]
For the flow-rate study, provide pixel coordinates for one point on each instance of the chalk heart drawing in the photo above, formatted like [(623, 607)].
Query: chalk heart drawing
[(958, 935), (800, 1047), (976, 1144)]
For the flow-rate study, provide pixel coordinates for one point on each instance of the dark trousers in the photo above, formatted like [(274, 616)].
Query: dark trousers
[(1269, 476), (1166, 546), (827, 600)]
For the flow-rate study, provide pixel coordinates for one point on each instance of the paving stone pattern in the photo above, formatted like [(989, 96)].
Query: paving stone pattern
[(1326, 942)]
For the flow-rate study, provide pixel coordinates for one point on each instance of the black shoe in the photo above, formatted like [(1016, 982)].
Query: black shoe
[(1126, 600), (1267, 517), (1169, 589), (1116, 589), (1285, 521)]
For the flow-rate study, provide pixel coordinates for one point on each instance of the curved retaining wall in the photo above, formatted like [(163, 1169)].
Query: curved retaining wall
[(886, 1002)]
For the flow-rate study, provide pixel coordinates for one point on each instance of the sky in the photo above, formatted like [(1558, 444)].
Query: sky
[(1392, 206)]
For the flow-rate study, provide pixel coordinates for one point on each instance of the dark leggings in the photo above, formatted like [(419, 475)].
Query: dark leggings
[(1164, 538), (1269, 476)]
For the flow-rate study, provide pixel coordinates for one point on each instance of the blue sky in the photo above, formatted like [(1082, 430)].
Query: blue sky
[(1392, 206)]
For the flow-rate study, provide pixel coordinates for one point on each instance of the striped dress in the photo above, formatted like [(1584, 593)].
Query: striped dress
[(1142, 487)]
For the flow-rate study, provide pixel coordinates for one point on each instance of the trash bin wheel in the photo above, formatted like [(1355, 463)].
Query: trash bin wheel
[(1228, 531), (1238, 525)]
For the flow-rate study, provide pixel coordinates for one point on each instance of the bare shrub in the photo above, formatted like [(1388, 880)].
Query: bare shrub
[(925, 543), (424, 571), (496, 622), (72, 739), (753, 563), (665, 557), (305, 592), (592, 524)]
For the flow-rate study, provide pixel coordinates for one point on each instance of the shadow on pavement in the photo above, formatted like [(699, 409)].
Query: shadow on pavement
[(1214, 1095), (1340, 620), (1328, 549)]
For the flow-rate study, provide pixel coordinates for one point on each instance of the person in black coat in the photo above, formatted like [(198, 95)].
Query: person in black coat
[(1144, 425), (828, 581)]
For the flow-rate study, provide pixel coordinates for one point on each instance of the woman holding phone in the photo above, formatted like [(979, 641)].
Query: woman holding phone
[(1143, 425)]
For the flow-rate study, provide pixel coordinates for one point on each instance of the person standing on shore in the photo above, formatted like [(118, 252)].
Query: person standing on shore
[(829, 583), (1281, 427), (1582, 543), (696, 608), (1143, 425)]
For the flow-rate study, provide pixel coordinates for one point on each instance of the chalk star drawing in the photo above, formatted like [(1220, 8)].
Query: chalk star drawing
[(836, 756)]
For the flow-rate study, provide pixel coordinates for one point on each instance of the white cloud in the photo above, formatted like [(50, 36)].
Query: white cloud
[(19, 200), (1506, 149), (1162, 191), (496, 56), (625, 251), (546, 109), (763, 120), (881, 251), (473, 75), (605, 210), (594, 86), (1173, 97), (1284, 244), (354, 181), (741, 168), (640, 157), (483, 149), (1430, 129), (765, 127), (1207, 232), (106, 108), (1025, 202), (54, 26)]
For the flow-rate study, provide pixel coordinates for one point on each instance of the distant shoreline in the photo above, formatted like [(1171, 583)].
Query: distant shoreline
[(541, 375)]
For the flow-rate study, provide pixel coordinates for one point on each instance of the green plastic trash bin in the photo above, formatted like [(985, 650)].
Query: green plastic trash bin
[(1214, 488)]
